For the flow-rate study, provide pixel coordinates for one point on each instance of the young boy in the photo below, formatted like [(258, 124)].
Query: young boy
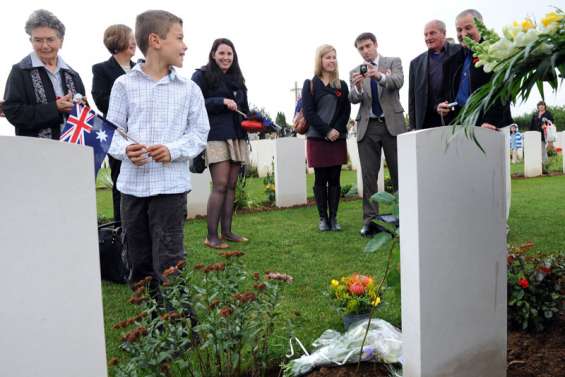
[(166, 124)]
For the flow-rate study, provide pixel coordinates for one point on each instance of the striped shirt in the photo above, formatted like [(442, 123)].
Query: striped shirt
[(516, 140), (171, 112)]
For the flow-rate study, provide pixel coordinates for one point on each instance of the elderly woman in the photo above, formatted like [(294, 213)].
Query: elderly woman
[(120, 42), (40, 88)]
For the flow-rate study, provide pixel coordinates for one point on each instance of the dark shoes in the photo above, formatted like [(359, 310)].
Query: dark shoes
[(369, 230), (327, 201), (334, 193), (324, 224)]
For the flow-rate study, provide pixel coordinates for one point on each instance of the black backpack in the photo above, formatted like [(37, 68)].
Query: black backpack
[(113, 262)]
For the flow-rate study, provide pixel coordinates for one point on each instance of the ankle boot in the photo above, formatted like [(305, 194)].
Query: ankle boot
[(334, 193), (321, 196)]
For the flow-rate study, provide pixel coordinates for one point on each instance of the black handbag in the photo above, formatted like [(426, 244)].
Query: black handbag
[(113, 261), (198, 164)]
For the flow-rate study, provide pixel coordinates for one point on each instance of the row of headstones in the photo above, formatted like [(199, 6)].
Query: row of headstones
[(287, 156), (532, 152), (453, 256)]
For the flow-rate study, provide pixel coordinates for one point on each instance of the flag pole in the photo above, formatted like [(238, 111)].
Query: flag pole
[(78, 98)]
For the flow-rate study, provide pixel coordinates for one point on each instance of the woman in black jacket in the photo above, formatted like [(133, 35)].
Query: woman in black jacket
[(539, 119), (225, 93), (120, 42), (40, 89), (327, 110)]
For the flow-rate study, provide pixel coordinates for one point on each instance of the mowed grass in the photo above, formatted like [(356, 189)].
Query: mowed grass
[(288, 241)]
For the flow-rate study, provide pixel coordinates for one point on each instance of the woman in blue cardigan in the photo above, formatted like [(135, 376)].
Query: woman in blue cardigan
[(225, 93)]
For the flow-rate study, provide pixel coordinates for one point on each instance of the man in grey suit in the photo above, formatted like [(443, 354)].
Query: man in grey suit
[(375, 85), (426, 75)]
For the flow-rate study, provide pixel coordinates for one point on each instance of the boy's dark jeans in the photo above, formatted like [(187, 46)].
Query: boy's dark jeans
[(153, 234)]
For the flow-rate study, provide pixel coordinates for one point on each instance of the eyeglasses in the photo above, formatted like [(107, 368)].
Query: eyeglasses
[(40, 41)]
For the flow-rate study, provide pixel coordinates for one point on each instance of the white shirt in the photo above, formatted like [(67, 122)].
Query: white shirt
[(171, 112)]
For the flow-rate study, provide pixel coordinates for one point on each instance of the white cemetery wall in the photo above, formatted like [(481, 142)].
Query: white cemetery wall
[(532, 154), (51, 319), (197, 199), (453, 254), (290, 172)]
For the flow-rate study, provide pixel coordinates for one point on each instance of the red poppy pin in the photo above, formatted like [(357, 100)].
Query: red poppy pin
[(475, 60), (338, 93)]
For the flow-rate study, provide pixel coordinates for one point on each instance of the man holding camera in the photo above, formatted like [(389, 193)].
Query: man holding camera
[(375, 85), (461, 78)]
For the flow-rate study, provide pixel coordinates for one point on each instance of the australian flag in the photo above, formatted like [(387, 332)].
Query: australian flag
[(85, 127)]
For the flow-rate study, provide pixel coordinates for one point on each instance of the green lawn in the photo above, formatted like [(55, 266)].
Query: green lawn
[(554, 165), (288, 241)]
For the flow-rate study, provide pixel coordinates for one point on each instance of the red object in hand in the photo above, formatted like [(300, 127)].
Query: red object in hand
[(252, 125), (523, 283)]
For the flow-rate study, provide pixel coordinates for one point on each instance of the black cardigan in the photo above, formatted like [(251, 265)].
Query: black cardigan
[(224, 123), (21, 107), (498, 114), (536, 123), (103, 76), (310, 104)]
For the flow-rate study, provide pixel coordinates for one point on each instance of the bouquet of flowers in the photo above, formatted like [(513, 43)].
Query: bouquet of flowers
[(527, 54), (355, 294), (259, 121)]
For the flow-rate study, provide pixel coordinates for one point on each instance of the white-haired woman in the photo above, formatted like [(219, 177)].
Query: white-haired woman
[(40, 88), (327, 110)]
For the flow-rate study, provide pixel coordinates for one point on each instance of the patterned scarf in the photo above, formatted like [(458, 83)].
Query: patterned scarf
[(41, 97)]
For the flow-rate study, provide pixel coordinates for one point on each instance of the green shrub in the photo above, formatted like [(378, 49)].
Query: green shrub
[(237, 315), (534, 289)]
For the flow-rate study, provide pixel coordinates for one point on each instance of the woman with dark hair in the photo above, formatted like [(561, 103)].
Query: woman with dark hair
[(120, 42), (327, 110), (225, 93), (40, 89), (539, 119)]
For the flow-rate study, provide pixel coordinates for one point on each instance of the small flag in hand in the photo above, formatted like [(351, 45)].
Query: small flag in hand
[(86, 128)]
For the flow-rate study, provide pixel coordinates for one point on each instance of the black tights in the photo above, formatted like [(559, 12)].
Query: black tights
[(328, 176), (220, 203)]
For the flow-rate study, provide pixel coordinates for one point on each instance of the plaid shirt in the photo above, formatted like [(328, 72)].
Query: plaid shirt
[(171, 112)]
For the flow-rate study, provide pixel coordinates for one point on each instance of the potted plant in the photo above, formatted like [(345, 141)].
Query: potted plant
[(354, 295)]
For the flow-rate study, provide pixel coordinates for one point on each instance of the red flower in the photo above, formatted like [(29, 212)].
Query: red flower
[(545, 270), (524, 283), (357, 289), (475, 60), (338, 93)]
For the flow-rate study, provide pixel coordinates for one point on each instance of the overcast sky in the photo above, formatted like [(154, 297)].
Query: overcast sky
[(275, 40)]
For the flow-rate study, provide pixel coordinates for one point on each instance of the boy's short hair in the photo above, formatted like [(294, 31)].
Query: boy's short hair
[(364, 37), (153, 22), (116, 38)]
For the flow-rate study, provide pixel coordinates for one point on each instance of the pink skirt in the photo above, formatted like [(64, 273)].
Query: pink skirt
[(322, 153)]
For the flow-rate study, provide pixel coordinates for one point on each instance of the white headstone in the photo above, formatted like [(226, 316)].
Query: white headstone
[(290, 172), (453, 254), (197, 199), (532, 154), (562, 142), (380, 178), (262, 153), (507, 170), (51, 319), (353, 152)]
